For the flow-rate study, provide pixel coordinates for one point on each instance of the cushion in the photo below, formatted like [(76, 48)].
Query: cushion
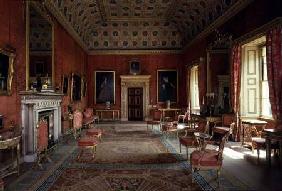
[(188, 141), (87, 141), (87, 121), (93, 132), (205, 158)]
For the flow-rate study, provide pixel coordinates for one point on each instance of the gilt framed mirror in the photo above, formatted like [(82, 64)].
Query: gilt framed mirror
[(39, 46), (6, 71)]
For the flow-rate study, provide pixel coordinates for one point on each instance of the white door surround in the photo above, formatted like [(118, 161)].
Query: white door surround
[(131, 81)]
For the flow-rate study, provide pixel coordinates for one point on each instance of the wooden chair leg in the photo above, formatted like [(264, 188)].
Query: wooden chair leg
[(180, 147), (218, 178), (187, 153), (258, 153)]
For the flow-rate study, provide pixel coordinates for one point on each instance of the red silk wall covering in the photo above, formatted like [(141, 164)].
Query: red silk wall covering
[(149, 66), (69, 57), (12, 33)]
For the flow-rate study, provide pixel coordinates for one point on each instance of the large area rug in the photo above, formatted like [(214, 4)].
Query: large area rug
[(128, 158), (130, 145)]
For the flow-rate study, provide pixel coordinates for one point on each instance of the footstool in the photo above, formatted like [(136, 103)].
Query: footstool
[(94, 133), (87, 142)]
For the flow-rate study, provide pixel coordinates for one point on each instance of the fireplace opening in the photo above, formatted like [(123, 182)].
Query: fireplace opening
[(49, 117)]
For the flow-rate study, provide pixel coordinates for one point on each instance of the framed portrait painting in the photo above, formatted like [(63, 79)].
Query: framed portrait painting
[(65, 84), (75, 87), (134, 67), (105, 87), (167, 82)]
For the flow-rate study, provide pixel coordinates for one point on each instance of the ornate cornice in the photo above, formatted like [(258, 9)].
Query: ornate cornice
[(65, 24), (238, 6), (133, 52), (259, 32)]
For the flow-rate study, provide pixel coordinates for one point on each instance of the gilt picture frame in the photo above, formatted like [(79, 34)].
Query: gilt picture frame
[(104, 87), (6, 71)]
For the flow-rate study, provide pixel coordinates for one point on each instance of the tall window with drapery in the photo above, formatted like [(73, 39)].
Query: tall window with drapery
[(194, 90), (274, 70)]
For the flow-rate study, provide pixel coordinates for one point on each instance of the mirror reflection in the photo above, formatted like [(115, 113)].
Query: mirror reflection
[(40, 51)]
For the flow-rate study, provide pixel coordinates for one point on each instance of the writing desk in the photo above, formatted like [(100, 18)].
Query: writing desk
[(113, 112)]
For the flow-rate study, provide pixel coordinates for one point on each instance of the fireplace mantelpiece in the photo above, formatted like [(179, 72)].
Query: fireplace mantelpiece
[(128, 81), (32, 103)]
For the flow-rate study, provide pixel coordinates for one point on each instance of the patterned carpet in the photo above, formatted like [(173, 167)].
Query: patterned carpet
[(128, 158)]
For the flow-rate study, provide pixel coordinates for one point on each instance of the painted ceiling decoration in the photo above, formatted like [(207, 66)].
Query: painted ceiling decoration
[(137, 24)]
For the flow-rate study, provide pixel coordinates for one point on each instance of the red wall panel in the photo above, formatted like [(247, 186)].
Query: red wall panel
[(149, 66), (12, 33)]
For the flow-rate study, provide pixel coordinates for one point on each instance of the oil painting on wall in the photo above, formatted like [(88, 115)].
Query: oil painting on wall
[(167, 81), (104, 87)]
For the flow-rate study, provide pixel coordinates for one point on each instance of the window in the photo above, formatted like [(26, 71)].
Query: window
[(194, 90), (254, 83)]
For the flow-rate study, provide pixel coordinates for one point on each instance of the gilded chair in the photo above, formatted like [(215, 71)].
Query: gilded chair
[(209, 159), (227, 120), (259, 142), (77, 122), (189, 140), (155, 119)]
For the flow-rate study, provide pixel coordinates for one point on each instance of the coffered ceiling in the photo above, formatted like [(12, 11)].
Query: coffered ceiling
[(137, 24)]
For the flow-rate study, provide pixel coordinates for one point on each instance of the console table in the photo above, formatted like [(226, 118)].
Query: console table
[(164, 110), (113, 112), (13, 166)]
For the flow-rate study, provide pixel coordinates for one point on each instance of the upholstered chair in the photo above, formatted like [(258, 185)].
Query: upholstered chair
[(209, 159), (77, 122), (189, 140), (88, 117), (227, 120), (259, 142), (155, 119)]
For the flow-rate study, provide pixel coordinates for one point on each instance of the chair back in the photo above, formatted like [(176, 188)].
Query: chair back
[(227, 119), (157, 114), (88, 113), (222, 143), (202, 126), (77, 119), (42, 135)]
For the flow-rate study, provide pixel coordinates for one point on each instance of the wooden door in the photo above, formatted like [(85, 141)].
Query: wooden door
[(135, 104)]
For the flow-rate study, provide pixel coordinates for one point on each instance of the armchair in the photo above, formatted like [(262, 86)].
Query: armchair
[(209, 159), (88, 117), (227, 120), (189, 140), (77, 122), (259, 142)]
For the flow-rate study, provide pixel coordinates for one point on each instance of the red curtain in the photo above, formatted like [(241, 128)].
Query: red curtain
[(274, 70), (235, 77), (236, 85)]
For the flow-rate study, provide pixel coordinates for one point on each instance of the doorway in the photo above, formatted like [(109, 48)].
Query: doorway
[(135, 104)]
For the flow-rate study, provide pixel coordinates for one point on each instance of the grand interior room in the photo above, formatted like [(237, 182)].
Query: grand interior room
[(145, 95)]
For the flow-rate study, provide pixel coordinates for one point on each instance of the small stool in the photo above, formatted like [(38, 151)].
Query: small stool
[(94, 133), (87, 142)]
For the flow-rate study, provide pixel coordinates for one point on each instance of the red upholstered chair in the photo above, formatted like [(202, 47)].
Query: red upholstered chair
[(189, 140), (155, 119), (94, 132), (42, 141), (88, 117), (227, 120), (259, 143), (77, 122), (208, 159), (87, 142)]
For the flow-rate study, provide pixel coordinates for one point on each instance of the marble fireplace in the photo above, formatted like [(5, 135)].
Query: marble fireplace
[(131, 81), (33, 107)]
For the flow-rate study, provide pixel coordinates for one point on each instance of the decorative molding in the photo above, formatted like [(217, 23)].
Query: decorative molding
[(133, 52), (134, 81), (238, 6), (258, 32)]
